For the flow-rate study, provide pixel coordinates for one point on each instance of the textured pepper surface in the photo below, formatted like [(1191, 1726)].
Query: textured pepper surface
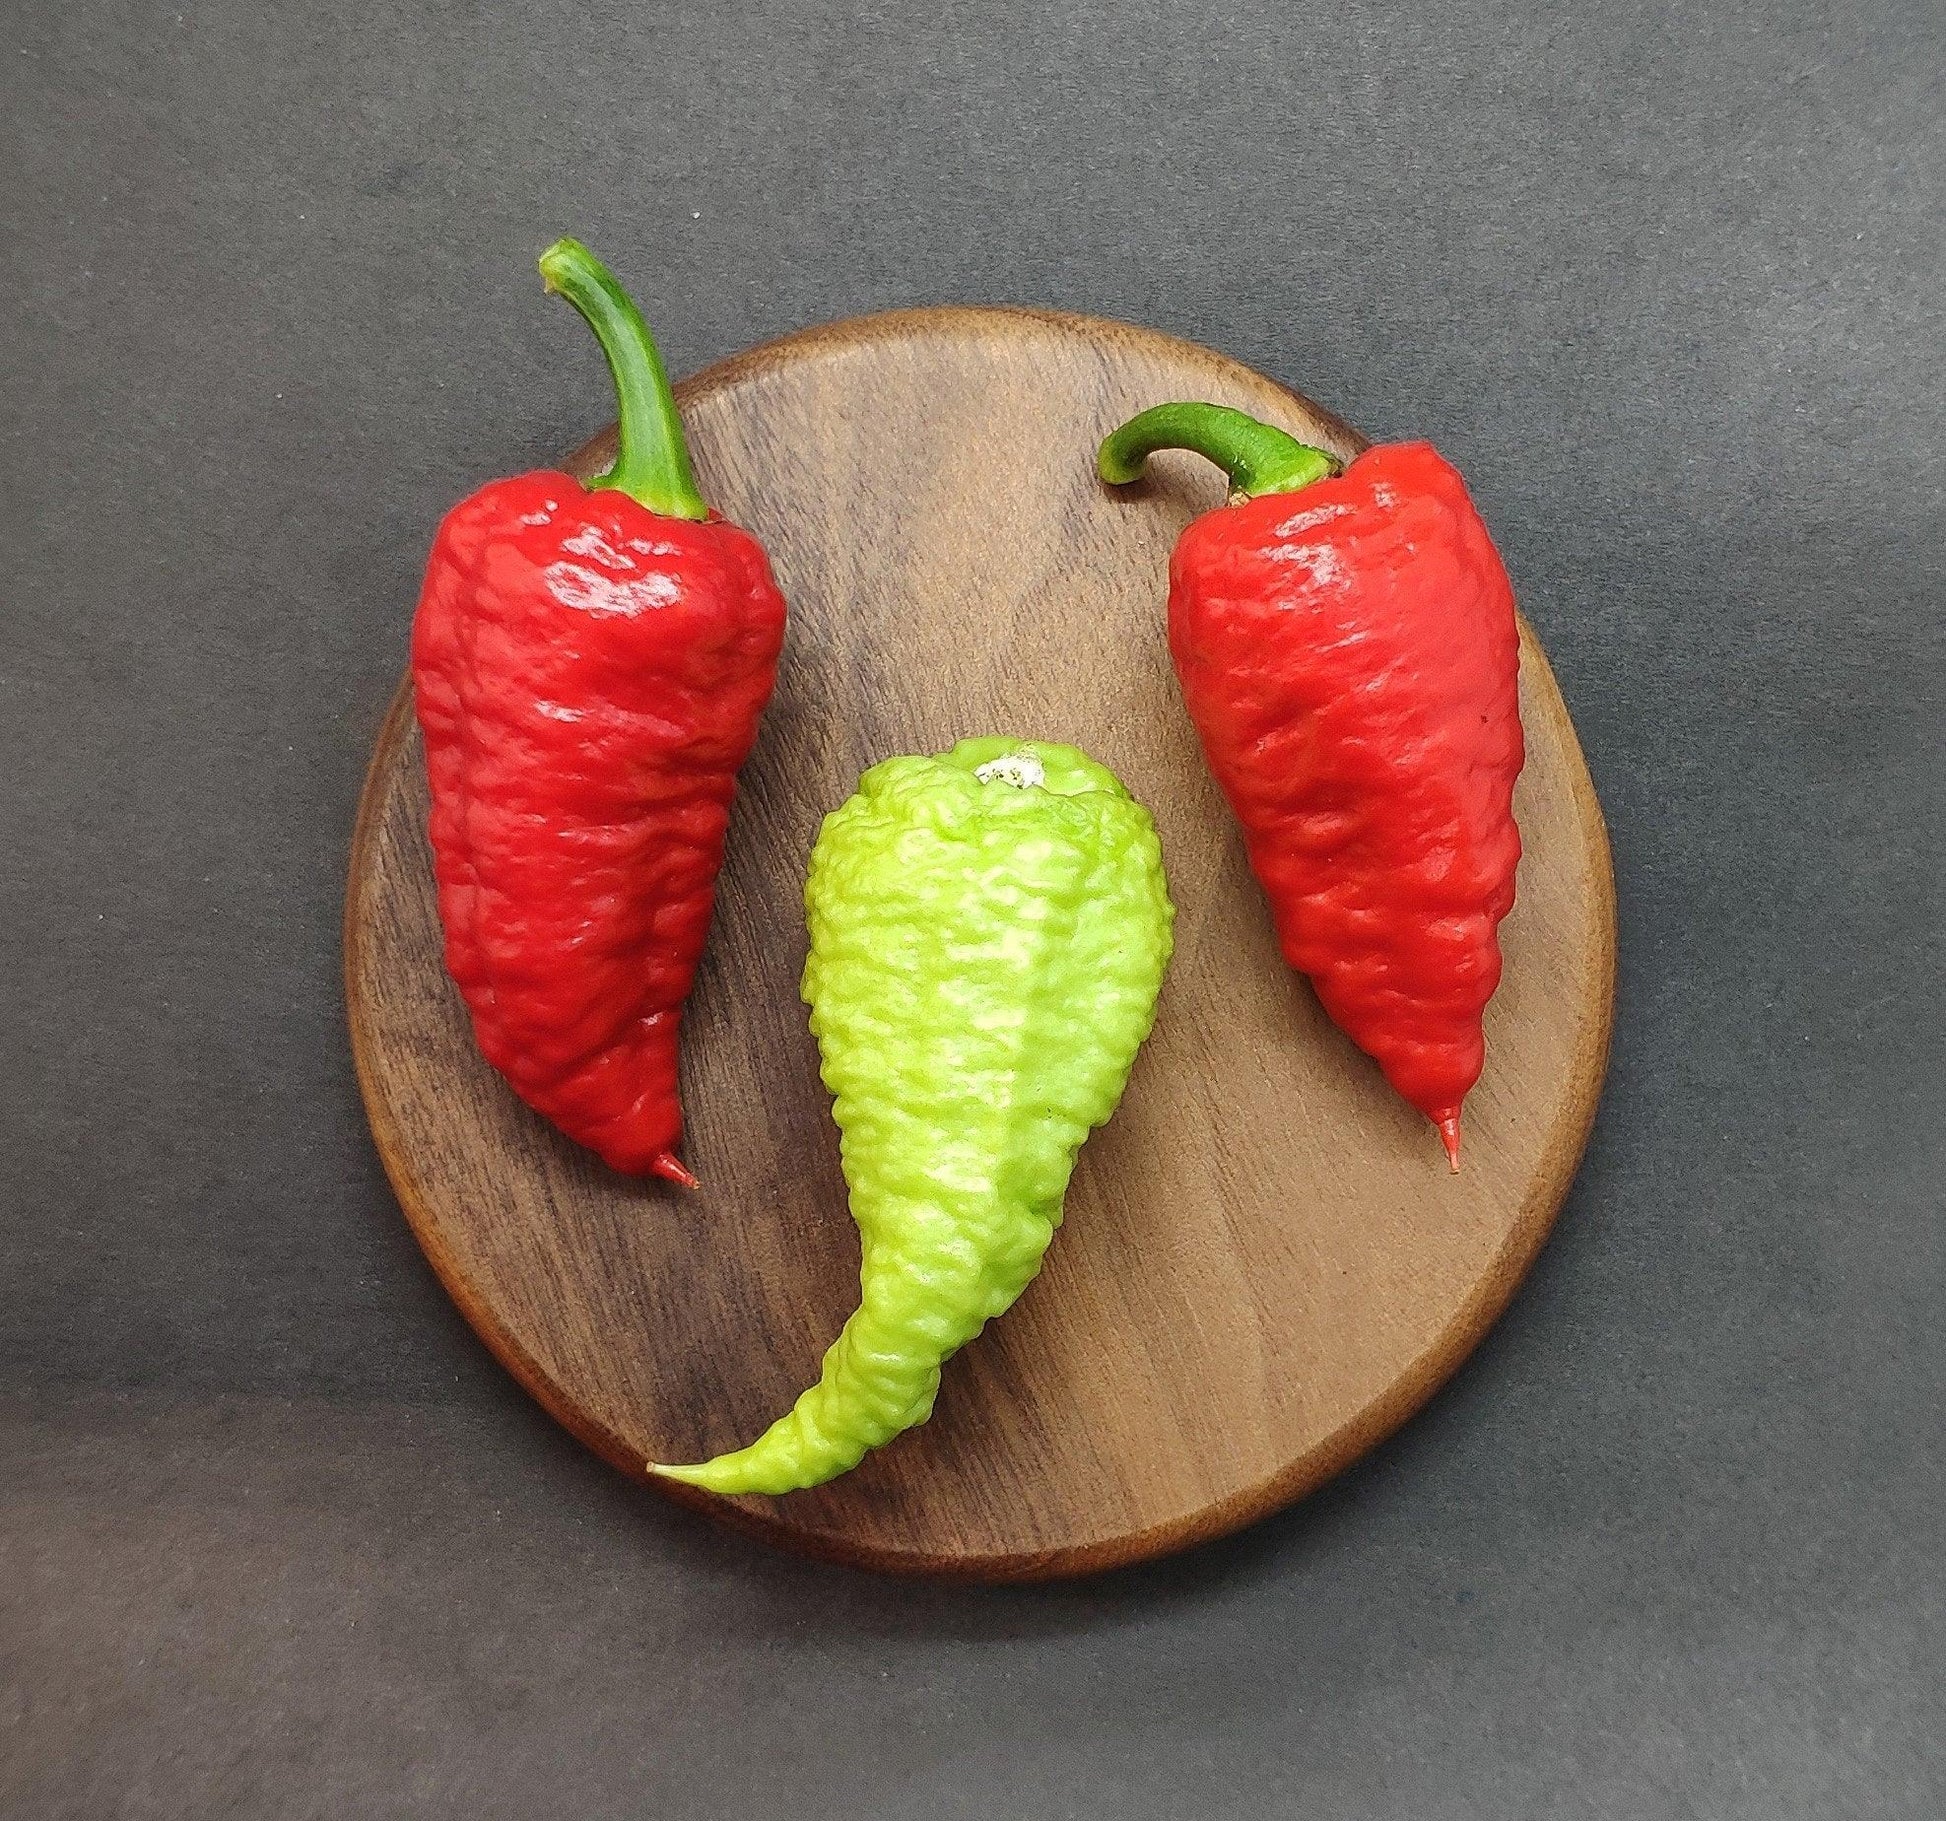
[(1349, 654), (988, 935), (589, 675)]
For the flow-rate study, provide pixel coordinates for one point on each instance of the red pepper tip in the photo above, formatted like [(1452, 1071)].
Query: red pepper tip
[(1449, 1136), (669, 1166)]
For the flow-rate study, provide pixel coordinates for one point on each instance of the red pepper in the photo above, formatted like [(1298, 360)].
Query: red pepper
[(1348, 651), (590, 664)]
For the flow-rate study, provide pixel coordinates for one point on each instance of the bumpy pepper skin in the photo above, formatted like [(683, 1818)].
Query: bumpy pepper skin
[(589, 673), (1349, 654), (589, 676), (989, 930)]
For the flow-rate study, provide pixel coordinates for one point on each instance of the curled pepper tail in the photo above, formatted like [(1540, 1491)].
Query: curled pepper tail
[(880, 1378)]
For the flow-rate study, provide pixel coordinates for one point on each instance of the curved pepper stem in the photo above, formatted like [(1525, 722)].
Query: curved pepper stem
[(1257, 457), (652, 462)]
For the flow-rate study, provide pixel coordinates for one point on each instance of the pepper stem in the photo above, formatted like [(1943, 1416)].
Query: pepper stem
[(1257, 457), (652, 460)]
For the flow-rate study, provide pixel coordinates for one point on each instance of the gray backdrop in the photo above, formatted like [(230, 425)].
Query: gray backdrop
[(278, 1539)]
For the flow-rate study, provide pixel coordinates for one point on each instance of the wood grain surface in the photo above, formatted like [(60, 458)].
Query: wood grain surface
[(1265, 1266)]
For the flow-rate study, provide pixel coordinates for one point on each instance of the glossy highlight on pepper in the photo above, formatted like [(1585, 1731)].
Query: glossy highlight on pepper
[(589, 667), (989, 930), (1347, 648)]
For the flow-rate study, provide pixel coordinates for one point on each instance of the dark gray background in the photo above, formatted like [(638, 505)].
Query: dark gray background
[(278, 1539)]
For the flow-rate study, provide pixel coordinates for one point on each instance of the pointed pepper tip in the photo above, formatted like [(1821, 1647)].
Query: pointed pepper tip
[(670, 1168)]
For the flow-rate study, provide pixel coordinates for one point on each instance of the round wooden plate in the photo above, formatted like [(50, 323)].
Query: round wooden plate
[(1265, 1266)]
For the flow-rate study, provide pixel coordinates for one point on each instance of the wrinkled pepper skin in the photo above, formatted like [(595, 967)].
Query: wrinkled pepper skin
[(589, 677), (989, 930), (589, 667), (1349, 654)]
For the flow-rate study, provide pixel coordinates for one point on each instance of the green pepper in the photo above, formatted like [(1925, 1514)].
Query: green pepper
[(988, 934)]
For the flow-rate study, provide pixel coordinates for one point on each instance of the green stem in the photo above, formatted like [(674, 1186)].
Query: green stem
[(652, 461), (1257, 458)]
